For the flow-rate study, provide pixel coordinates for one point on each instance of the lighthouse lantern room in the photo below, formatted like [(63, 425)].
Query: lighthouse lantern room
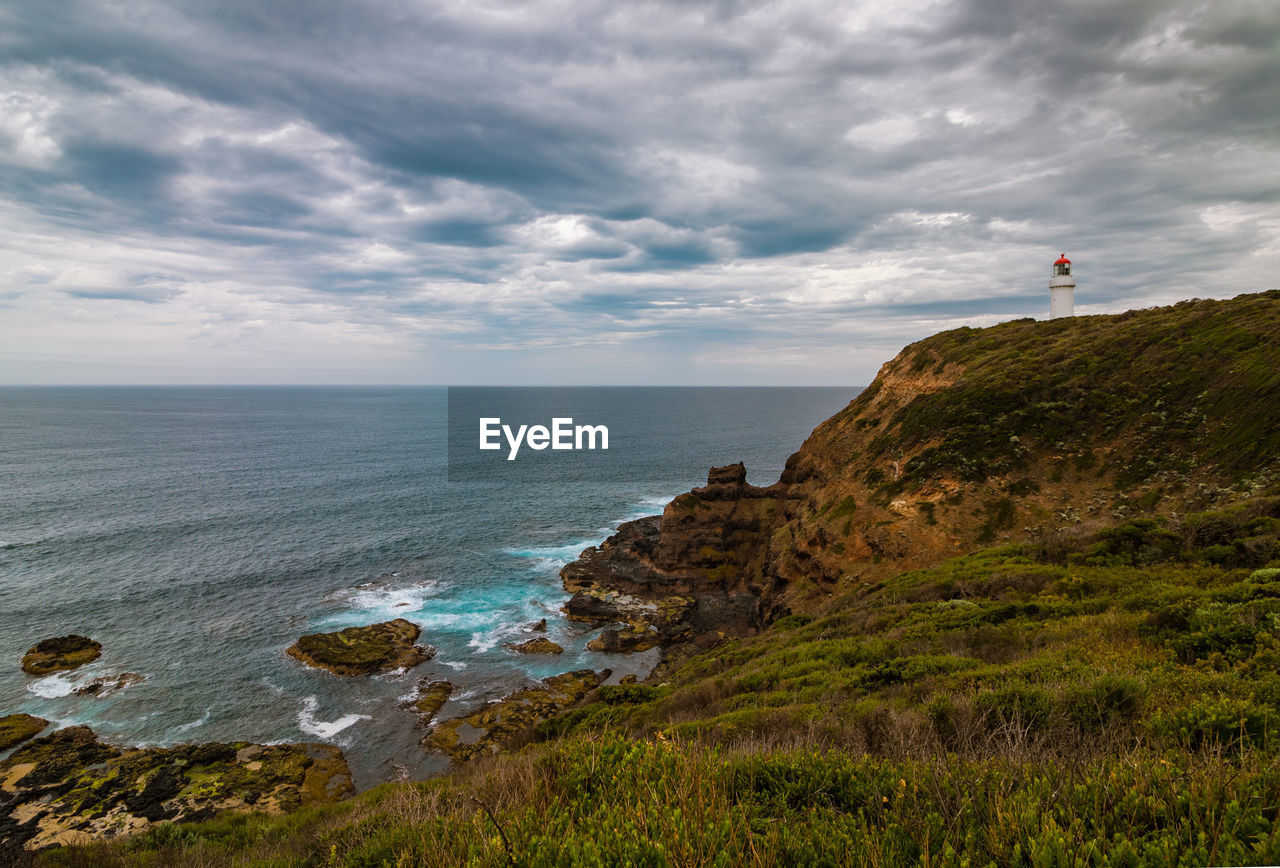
[(1062, 289)]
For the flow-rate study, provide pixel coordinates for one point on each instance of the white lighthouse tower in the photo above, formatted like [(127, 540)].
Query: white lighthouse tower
[(1062, 289)]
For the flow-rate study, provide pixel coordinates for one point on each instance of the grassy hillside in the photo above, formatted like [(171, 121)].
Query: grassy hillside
[(978, 436), (1109, 699)]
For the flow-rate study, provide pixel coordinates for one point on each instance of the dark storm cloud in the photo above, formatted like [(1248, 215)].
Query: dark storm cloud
[(502, 174)]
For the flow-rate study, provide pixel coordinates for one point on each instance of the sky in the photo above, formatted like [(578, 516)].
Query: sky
[(583, 192)]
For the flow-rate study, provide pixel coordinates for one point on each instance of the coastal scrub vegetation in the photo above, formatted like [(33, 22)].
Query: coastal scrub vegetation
[(1175, 387), (1099, 697)]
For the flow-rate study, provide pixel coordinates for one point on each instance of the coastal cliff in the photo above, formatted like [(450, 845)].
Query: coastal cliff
[(1023, 431)]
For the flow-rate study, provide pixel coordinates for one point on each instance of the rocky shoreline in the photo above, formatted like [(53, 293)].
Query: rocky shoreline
[(70, 787), (489, 727)]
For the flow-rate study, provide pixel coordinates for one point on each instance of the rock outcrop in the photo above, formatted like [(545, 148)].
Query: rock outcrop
[(489, 727), (108, 684), (538, 645), (363, 650), (60, 654), (71, 788), (679, 576), (17, 728), (432, 695), (625, 641)]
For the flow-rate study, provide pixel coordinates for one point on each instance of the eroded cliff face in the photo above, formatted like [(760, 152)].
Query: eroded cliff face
[(681, 575), (966, 439)]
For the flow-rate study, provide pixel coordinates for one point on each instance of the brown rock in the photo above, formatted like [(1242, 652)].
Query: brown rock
[(61, 653), (17, 728), (730, 474), (540, 627), (432, 695), (70, 787), (494, 723), (363, 650), (631, 639), (593, 608), (540, 645), (108, 684)]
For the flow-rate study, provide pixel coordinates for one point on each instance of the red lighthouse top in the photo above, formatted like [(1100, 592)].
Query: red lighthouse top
[(1063, 260)]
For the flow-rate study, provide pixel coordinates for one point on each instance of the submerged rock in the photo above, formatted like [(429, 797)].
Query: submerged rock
[(485, 729), (71, 788), (432, 695), (540, 627), (108, 684), (17, 728), (60, 653), (363, 650), (540, 645)]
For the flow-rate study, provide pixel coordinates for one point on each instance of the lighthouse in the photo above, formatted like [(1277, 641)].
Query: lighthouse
[(1062, 289)]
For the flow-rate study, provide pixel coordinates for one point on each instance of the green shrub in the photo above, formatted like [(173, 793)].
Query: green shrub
[(1218, 722), (631, 694), (842, 508), (928, 509), (1140, 542), (1100, 704), (792, 622), (1199, 631), (1016, 704)]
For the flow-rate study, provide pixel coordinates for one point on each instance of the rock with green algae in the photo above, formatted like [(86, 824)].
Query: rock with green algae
[(71, 788), (60, 653), (363, 650), (432, 695), (17, 728), (537, 645), (485, 730), (636, 637)]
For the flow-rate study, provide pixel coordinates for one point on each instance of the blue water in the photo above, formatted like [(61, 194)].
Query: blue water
[(197, 532)]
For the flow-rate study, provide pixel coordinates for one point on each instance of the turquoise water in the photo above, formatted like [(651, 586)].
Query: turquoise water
[(197, 532)]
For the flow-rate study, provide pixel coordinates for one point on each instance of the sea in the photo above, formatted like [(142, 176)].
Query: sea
[(198, 532)]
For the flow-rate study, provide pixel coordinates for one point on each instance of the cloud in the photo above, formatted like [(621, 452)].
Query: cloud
[(588, 191)]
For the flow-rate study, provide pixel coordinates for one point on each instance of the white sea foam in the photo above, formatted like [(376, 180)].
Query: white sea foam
[(381, 602), (323, 729), (456, 667), (484, 641), (385, 598), (552, 558), (203, 719), (647, 506), (51, 686)]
